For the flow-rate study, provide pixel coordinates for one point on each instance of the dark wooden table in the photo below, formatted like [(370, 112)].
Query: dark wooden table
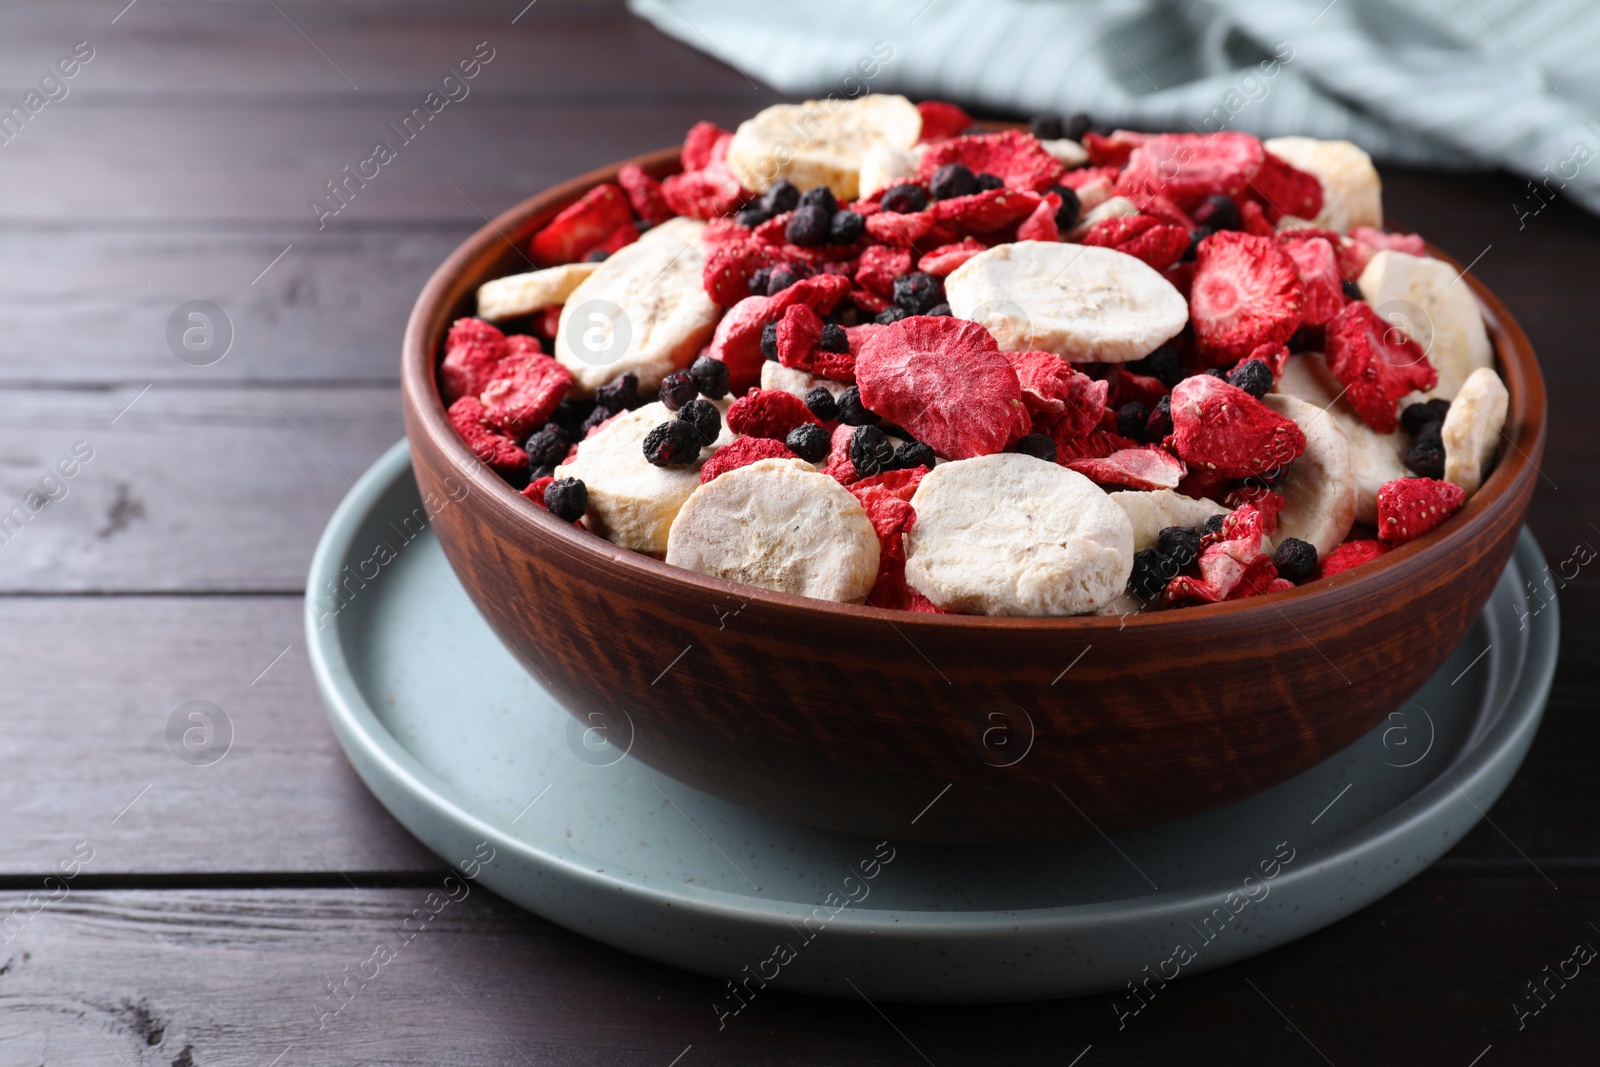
[(212, 904)]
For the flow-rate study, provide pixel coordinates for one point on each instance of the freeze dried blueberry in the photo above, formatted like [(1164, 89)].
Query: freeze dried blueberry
[(1430, 433), (820, 402), (1162, 365), (544, 470), (780, 196), (939, 311), (917, 292), (851, 413), (1071, 209), (751, 216), (1180, 544), (1219, 212), (990, 182), (672, 444), (1296, 560), (1037, 445), (769, 340), (1046, 127), (758, 281), (620, 393), (1196, 235), (1160, 422), (834, 339), (952, 180), (808, 226), (890, 314), (1151, 572), (1075, 125), (677, 389), (1213, 524), (598, 255), (703, 415), (846, 228), (596, 417), (547, 446), (870, 451), (1416, 416), (710, 377), (1425, 460), (1351, 290), (1131, 419), (781, 278), (808, 441), (570, 414), (567, 499), (1217, 372), (1255, 378), (821, 197), (905, 199), (909, 454)]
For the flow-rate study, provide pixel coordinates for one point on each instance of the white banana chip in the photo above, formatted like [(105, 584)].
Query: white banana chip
[(1319, 489), (1472, 429), (1081, 302), (1352, 195), (523, 294), (778, 524), (1112, 207), (775, 375), (1375, 458), (1152, 512), (1066, 151), (1429, 300), (885, 165), (820, 142), (1008, 534)]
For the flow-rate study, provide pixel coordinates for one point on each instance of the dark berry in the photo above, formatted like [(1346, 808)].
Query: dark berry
[(1071, 209), (1425, 460), (890, 314), (1431, 433), (1219, 212), (769, 340), (905, 199), (677, 389), (1196, 235), (989, 182), (809, 441), (547, 447), (782, 276), (1295, 559), (671, 444), (1046, 127), (917, 292), (1075, 125), (1162, 365), (821, 197), (834, 339), (808, 226), (596, 417), (851, 413), (751, 217), (1213, 524), (780, 196), (710, 377), (909, 454), (870, 451), (597, 255), (1352, 291), (703, 415), (570, 414), (1217, 372), (1160, 422), (1037, 445), (1255, 378), (1416, 416), (1180, 544), (567, 499), (620, 393), (952, 180), (820, 403), (543, 470), (939, 311), (758, 281), (846, 228), (1131, 418), (1151, 573)]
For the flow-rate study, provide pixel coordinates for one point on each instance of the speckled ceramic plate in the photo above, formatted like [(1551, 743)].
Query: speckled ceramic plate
[(475, 759)]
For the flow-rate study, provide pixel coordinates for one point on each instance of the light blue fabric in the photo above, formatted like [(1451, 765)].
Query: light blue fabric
[(1454, 83)]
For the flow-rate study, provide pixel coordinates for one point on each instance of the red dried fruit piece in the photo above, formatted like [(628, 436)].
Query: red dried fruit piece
[(901, 231), (1351, 554), (941, 120), (1079, 177), (839, 467), (1143, 237), (621, 237), (886, 498), (581, 226), (550, 321), (495, 449), (1096, 444), (1321, 286), (472, 350), (709, 193), (644, 194), (946, 381), (534, 490), (799, 331), (1246, 292), (1136, 468), (1274, 356), (1181, 277), (860, 335), (946, 258), (867, 301), (1188, 167), (1267, 502), (1284, 189), (737, 340), (1224, 559), (1113, 149), (1376, 363), (1253, 220), (1409, 243), (1058, 394), (1410, 507), (729, 268), (741, 452), (526, 388), (985, 212), (523, 344), (1016, 158), (1201, 484), (893, 592), (768, 413), (880, 266), (705, 143), (1260, 576), (1041, 225), (1222, 428), (720, 232)]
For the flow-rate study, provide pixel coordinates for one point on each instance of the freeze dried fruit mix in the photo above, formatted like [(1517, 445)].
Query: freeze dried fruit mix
[(863, 351)]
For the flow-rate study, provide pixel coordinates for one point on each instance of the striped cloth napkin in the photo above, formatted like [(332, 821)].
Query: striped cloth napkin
[(1447, 83)]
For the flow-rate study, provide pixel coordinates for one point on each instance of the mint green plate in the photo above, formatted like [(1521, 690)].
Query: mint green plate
[(473, 757)]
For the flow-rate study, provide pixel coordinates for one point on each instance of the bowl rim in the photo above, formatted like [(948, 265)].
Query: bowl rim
[(1515, 361)]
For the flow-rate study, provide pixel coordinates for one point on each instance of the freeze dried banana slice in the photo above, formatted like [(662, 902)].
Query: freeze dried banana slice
[(1081, 302), (778, 524), (1066, 151), (1008, 534), (632, 502), (1319, 489), (1111, 207), (820, 142), (1472, 428), (885, 165), (1375, 458), (775, 375), (1152, 512), (1428, 299), (523, 294), (645, 310), (1352, 195)]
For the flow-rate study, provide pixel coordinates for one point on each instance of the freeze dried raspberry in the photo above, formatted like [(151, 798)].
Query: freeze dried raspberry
[(880, 266), (1222, 428), (495, 449), (1253, 220), (1143, 237), (1376, 363), (1014, 157), (526, 388), (1319, 279), (941, 120), (945, 380), (1350, 554), (523, 344), (1283, 189), (1267, 502), (985, 212), (1041, 225), (1410, 507), (581, 226), (621, 237), (472, 350), (737, 340), (644, 194), (1136, 468), (1246, 292), (1113, 149), (945, 259), (868, 301), (768, 413), (709, 193), (901, 231), (1225, 557), (704, 144), (741, 452), (1188, 167), (728, 269)]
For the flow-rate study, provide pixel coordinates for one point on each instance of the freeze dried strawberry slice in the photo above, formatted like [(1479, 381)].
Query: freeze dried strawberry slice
[(1113, 149), (1376, 363), (868, 301), (1321, 286), (985, 212), (893, 592), (1016, 158), (1410, 507), (737, 340), (941, 120), (1143, 237), (729, 268), (901, 231), (1222, 428), (1041, 225), (946, 381), (1283, 189), (1246, 292), (768, 413), (1260, 576), (1188, 167), (886, 498), (1079, 177), (534, 490), (1225, 558), (1253, 220), (1409, 243), (1351, 554), (799, 346), (946, 258), (473, 350), (741, 452), (1058, 395), (621, 237), (709, 193), (1136, 468), (526, 388), (720, 232), (495, 449), (1268, 502), (880, 266), (644, 194), (581, 226), (704, 144), (1274, 356), (839, 467)]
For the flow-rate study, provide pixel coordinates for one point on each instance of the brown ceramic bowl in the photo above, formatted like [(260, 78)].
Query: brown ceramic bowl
[(949, 727)]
